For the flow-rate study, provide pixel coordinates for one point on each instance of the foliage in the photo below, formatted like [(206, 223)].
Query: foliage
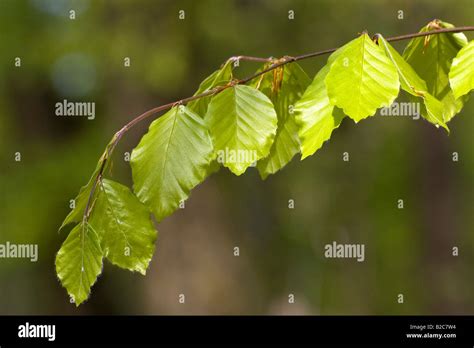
[(171, 159), (362, 79), (265, 123), (431, 57)]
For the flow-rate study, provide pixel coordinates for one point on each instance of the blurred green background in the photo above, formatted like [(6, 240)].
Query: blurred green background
[(408, 251)]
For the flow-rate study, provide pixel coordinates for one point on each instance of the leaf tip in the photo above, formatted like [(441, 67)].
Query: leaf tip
[(304, 155), (264, 175)]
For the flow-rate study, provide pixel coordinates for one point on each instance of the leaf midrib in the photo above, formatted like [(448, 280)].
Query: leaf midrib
[(163, 171), (114, 216)]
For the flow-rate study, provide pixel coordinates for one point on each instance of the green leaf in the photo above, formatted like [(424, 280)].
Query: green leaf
[(124, 225), (293, 82), (243, 124), (362, 79), (409, 79), (219, 77), (461, 75), (80, 202), (314, 113), (316, 116), (414, 85), (431, 58), (170, 160), (79, 262), (433, 111)]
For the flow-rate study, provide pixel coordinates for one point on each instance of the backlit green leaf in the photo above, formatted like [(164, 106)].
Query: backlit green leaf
[(242, 123), (461, 75), (79, 262), (124, 225), (362, 79), (431, 58), (284, 90), (316, 116), (413, 84), (217, 78), (433, 110), (170, 160), (80, 202)]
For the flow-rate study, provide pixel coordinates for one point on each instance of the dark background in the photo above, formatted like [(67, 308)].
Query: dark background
[(408, 251)]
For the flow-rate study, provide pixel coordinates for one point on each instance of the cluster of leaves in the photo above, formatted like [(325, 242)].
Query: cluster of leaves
[(279, 114)]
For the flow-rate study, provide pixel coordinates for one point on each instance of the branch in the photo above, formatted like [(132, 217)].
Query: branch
[(285, 60)]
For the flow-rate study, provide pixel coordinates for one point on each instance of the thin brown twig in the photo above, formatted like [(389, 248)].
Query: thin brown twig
[(288, 59)]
